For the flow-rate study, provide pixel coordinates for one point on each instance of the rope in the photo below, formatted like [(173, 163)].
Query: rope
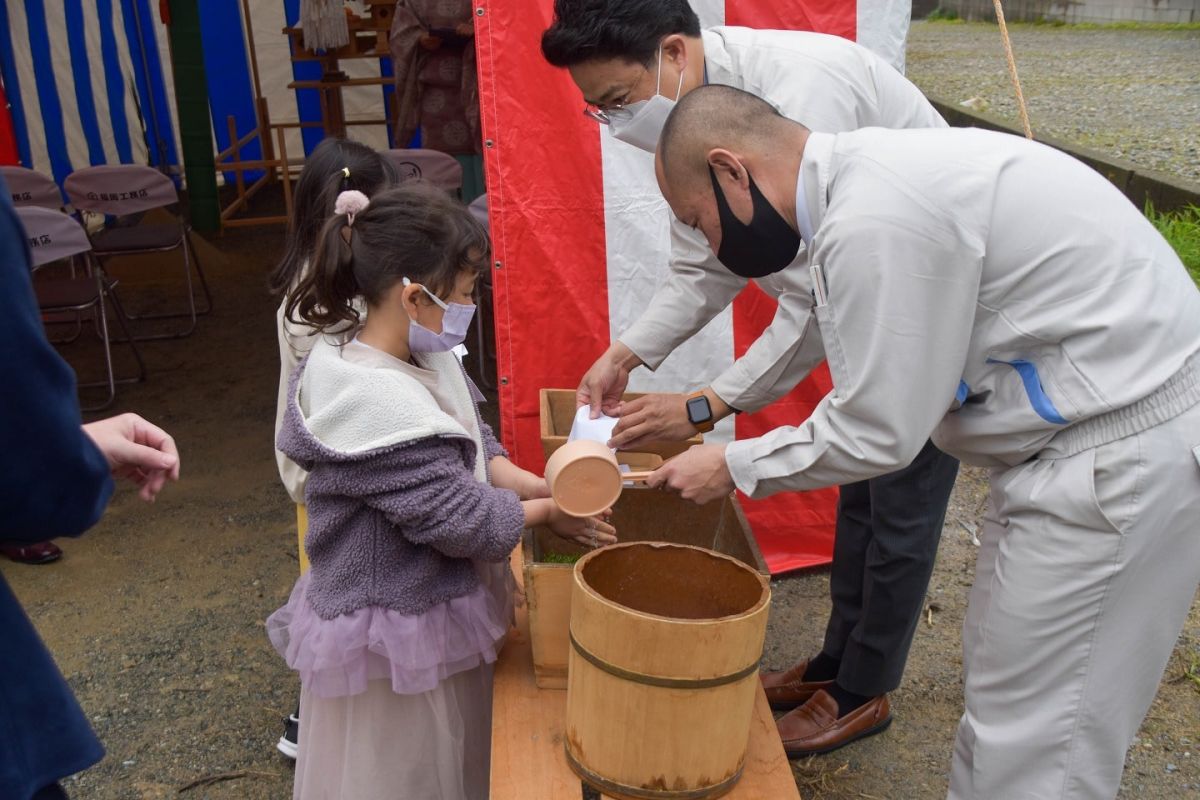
[(1012, 70)]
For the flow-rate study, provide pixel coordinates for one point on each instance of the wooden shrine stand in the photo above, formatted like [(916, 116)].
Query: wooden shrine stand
[(528, 762)]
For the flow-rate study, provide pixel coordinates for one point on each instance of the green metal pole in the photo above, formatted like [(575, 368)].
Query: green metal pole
[(195, 126)]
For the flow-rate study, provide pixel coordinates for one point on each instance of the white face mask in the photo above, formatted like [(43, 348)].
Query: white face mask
[(641, 123)]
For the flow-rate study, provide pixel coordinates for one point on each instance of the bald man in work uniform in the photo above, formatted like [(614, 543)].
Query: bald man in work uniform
[(1008, 301), (631, 59)]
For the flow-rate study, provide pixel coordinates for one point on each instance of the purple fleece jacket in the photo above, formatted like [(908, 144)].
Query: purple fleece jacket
[(398, 527)]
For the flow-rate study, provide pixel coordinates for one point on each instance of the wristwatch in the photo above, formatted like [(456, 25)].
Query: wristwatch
[(699, 412)]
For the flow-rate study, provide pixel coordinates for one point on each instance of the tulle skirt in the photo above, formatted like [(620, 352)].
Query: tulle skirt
[(379, 745), (338, 657)]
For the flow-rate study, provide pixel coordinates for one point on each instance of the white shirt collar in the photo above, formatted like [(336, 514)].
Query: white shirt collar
[(803, 217)]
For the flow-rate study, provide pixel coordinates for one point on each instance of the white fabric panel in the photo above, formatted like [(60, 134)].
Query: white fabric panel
[(168, 71), (883, 28), (64, 83), (19, 31), (91, 27), (275, 73), (637, 241), (275, 68), (137, 137)]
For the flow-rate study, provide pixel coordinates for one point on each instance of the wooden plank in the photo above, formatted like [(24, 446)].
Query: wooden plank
[(528, 762)]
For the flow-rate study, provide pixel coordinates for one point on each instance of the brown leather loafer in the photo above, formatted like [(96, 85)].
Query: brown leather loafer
[(39, 553), (815, 727), (787, 689)]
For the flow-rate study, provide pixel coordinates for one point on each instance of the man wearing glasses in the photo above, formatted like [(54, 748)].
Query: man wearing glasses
[(632, 59)]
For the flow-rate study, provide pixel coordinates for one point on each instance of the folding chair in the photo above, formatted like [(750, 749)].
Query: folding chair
[(124, 189), (438, 168), (30, 188), (52, 236)]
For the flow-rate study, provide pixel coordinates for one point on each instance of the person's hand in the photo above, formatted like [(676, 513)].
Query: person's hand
[(700, 474), (605, 381), (587, 531), (465, 29), (429, 42), (137, 450), (652, 417)]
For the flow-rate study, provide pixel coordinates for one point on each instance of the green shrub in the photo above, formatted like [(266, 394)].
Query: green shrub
[(940, 14), (1182, 230)]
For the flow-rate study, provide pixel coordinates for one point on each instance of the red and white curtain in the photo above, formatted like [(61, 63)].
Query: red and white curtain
[(580, 233)]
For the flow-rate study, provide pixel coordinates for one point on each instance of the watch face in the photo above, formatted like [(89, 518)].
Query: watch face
[(698, 410)]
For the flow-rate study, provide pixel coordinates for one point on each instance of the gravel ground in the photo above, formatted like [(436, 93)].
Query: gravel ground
[(1134, 94)]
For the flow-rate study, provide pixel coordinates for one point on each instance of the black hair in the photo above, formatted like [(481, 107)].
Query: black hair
[(584, 30), (413, 231), (316, 191)]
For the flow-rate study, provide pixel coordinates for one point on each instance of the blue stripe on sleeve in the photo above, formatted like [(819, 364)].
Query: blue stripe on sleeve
[(1038, 398)]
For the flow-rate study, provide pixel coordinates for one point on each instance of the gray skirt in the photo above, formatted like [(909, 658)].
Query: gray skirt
[(379, 745)]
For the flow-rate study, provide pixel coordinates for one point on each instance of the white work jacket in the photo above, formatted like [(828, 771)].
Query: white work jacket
[(982, 289), (826, 83)]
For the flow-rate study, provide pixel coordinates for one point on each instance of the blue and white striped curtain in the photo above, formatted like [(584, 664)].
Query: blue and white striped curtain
[(85, 84)]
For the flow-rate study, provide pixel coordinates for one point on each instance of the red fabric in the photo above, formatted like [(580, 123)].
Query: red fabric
[(793, 530), (839, 17), (8, 141), (546, 208)]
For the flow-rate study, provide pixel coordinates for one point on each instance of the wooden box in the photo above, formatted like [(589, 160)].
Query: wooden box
[(558, 412), (640, 515)]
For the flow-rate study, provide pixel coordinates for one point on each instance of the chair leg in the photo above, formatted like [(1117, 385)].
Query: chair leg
[(195, 262), (191, 314), (108, 362), (123, 321)]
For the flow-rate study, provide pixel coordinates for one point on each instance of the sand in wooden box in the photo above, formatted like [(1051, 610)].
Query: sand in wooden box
[(639, 515), (664, 647)]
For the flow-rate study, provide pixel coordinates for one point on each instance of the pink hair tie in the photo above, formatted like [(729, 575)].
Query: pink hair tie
[(350, 203)]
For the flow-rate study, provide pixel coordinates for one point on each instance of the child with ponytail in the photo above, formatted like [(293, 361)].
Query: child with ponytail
[(413, 510), (335, 165)]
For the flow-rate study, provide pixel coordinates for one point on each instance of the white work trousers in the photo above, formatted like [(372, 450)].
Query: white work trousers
[(1086, 573)]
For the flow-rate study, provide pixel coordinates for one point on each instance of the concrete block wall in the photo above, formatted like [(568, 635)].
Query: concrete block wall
[(1097, 11)]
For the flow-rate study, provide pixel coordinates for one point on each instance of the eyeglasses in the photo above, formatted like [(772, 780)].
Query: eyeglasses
[(605, 116)]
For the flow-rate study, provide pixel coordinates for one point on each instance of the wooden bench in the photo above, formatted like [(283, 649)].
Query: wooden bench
[(528, 762)]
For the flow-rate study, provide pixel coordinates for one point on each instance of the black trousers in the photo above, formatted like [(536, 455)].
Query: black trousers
[(888, 529), (51, 792)]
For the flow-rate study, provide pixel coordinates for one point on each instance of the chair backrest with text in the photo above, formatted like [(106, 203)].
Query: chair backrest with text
[(52, 235), (119, 189), (30, 188)]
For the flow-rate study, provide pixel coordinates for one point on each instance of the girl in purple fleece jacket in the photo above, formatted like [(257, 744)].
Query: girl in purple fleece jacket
[(413, 510)]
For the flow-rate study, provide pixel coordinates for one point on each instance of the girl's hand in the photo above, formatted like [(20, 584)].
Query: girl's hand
[(587, 531)]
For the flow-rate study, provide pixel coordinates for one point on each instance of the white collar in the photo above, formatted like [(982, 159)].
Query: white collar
[(803, 217)]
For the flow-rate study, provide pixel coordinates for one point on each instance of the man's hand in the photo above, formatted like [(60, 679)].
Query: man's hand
[(653, 417), (429, 42), (137, 450), (700, 474), (604, 383)]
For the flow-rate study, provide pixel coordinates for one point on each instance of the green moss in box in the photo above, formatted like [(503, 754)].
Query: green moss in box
[(560, 558)]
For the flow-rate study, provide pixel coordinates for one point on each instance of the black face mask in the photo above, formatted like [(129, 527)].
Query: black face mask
[(766, 245)]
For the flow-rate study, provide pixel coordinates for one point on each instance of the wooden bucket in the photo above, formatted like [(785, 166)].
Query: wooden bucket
[(663, 669)]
